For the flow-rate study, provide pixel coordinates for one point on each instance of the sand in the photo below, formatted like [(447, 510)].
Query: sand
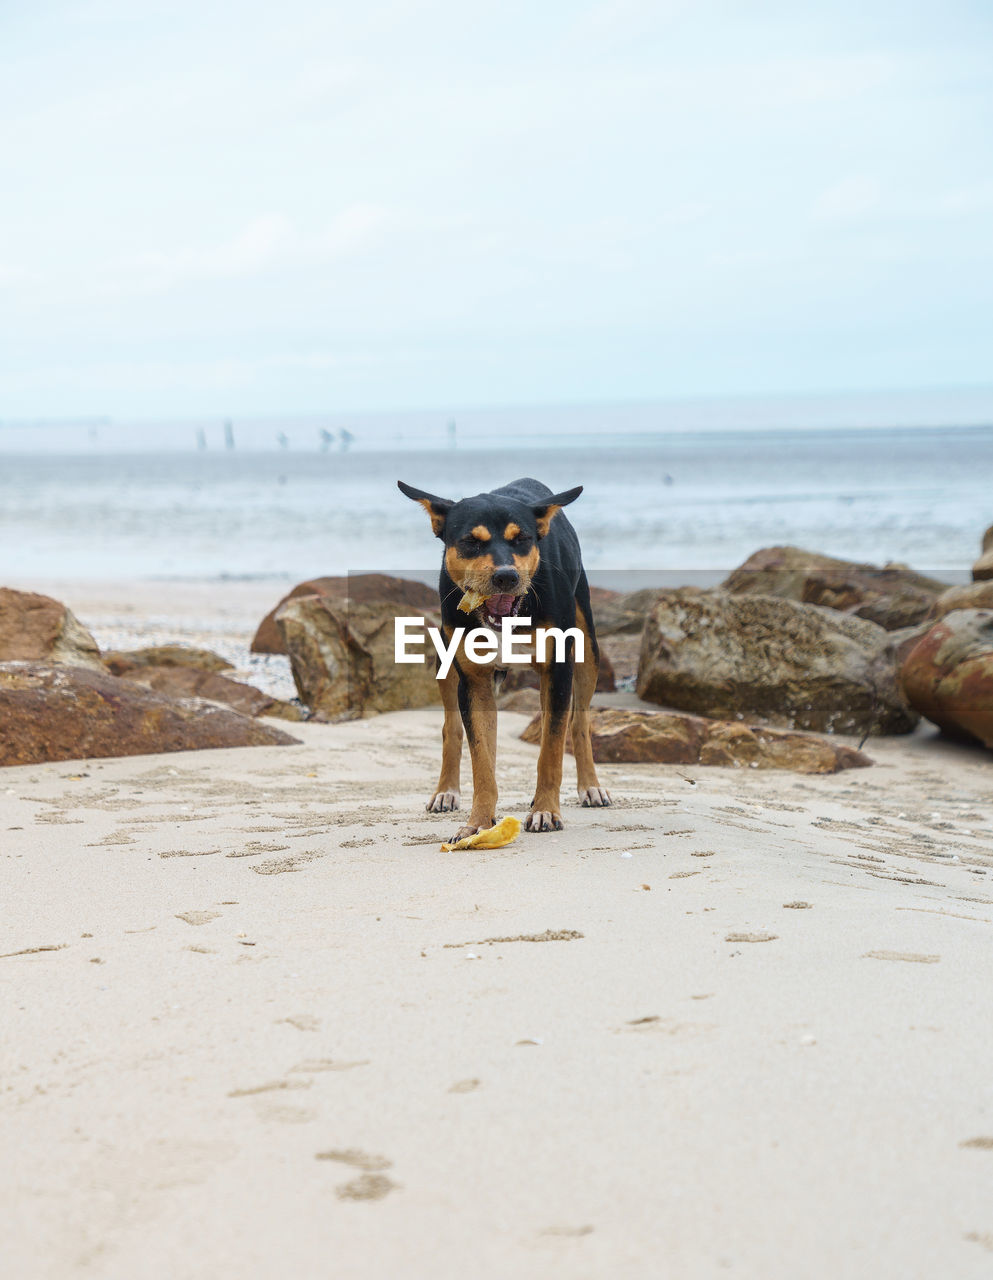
[(256, 1024)]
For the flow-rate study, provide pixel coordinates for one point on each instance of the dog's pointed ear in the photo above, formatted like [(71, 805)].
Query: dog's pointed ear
[(437, 508), (546, 509)]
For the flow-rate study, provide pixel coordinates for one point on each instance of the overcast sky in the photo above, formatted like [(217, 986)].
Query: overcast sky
[(307, 205)]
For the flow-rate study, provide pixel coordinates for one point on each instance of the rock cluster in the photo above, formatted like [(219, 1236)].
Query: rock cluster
[(623, 736), (892, 596), (59, 700)]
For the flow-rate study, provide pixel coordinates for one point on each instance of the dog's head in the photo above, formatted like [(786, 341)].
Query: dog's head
[(492, 543)]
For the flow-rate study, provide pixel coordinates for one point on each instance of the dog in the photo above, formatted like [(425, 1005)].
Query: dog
[(520, 556)]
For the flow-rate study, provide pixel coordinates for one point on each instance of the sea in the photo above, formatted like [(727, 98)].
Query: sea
[(672, 492)]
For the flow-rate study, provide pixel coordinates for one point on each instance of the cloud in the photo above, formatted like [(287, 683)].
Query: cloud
[(850, 200)]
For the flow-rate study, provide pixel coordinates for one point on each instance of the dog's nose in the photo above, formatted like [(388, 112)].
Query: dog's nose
[(506, 579)]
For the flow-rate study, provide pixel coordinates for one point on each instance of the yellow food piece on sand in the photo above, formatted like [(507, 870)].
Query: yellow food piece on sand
[(506, 830), (471, 600)]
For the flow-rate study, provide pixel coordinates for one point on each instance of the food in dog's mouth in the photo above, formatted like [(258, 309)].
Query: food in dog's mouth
[(493, 608), (471, 600)]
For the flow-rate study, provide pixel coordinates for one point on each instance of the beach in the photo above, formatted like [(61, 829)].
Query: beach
[(258, 1022)]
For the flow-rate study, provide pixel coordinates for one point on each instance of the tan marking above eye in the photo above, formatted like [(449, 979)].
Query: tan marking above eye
[(512, 531), (527, 564), (473, 572), (481, 533)]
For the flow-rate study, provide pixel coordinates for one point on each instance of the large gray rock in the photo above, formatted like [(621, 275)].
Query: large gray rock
[(892, 595), (35, 628), (342, 656), (74, 713), (791, 664)]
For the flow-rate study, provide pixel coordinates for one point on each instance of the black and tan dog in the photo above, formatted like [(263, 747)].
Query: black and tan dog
[(520, 557)]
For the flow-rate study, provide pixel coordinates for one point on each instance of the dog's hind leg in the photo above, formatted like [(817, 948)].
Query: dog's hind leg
[(446, 794), (556, 691), (591, 794)]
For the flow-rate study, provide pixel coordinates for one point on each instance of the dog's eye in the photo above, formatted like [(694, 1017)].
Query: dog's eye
[(469, 544), (522, 540)]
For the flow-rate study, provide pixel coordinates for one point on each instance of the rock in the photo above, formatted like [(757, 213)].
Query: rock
[(625, 614), (892, 596), (974, 595), (342, 656), (948, 676), (359, 588), (762, 657), (606, 681), (190, 682), (622, 736), (165, 655), (521, 676), (76, 713), (36, 628), (623, 651), (982, 570), (526, 702)]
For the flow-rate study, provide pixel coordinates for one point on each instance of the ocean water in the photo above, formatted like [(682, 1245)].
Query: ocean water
[(88, 506)]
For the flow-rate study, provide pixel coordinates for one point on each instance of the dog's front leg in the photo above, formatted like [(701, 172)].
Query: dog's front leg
[(477, 703), (556, 694), (446, 794)]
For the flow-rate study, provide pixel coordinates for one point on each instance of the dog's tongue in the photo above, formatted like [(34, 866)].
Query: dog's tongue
[(500, 606)]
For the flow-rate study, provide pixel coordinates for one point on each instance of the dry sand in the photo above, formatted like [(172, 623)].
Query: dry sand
[(257, 1025)]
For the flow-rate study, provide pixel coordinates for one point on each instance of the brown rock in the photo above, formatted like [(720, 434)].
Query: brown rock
[(606, 681), (622, 736), (948, 676), (342, 656), (982, 570), (521, 676), (36, 628), (189, 682), (771, 659), (623, 651), (358, 588), (892, 596), (526, 702), (75, 713), (974, 595), (625, 614), (165, 655)]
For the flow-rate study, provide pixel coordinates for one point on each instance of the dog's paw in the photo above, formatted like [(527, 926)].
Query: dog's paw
[(594, 797), (543, 820), (443, 802), (463, 833)]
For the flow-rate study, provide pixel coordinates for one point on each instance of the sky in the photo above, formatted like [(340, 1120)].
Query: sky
[(310, 206)]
